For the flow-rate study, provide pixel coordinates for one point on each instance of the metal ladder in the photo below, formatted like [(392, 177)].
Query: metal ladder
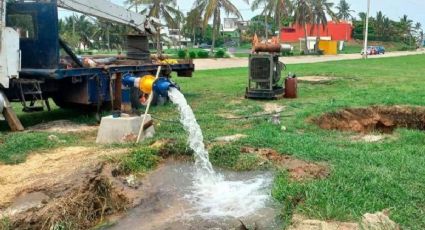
[(32, 96)]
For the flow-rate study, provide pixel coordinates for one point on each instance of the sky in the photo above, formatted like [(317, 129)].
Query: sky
[(394, 9)]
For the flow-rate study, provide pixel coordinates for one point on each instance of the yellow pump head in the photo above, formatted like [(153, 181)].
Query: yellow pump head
[(146, 83)]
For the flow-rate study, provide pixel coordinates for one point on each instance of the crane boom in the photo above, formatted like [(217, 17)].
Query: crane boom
[(112, 12)]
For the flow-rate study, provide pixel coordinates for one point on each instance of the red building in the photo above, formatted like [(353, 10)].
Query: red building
[(342, 31)]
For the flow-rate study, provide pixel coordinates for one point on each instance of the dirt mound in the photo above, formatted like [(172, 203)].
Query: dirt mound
[(62, 126), (36, 173), (69, 188), (298, 169), (374, 119)]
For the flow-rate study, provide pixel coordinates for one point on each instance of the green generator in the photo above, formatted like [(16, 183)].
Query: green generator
[(264, 77)]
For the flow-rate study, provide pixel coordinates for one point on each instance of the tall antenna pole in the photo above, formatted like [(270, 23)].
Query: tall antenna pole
[(366, 30)]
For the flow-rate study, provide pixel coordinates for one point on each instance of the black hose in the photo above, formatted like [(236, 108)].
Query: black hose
[(229, 119)]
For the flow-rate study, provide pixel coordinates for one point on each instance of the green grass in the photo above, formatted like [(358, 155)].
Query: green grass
[(365, 177), (230, 157), (14, 147), (140, 160)]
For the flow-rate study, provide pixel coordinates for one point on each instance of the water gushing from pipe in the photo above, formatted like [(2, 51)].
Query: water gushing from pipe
[(213, 195)]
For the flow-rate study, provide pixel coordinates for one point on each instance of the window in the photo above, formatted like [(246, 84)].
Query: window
[(23, 23)]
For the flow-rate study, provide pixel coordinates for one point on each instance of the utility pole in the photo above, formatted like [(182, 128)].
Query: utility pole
[(366, 30)]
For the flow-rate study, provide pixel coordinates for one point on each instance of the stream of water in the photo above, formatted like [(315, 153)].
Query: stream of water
[(186, 196), (212, 194)]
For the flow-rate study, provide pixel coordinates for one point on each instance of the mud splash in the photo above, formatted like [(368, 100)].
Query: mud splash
[(382, 119)]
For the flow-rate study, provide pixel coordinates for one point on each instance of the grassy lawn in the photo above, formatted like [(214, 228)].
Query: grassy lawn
[(14, 147), (365, 177)]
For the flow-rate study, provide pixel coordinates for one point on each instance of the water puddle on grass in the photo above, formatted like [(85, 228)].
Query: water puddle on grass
[(187, 196), (173, 200)]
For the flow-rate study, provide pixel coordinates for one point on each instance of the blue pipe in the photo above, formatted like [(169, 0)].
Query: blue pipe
[(128, 80), (160, 86)]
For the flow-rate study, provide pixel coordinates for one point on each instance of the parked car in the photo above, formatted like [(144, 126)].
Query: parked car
[(374, 50), (204, 46), (380, 49)]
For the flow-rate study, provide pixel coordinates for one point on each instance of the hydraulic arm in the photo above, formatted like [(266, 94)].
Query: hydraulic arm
[(112, 12)]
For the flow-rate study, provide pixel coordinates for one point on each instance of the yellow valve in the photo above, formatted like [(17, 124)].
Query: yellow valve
[(146, 83)]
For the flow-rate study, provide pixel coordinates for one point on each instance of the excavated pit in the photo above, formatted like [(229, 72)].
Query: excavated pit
[(377, 119)]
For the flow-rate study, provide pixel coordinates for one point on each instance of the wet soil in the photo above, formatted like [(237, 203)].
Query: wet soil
[(165, 204), (382, 119), (298, 169)]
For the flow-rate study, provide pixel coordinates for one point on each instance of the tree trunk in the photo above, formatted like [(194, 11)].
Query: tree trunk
[(279, 26), (215, 27), (108, 38), (194, 37), (158, 43), (306, 39), (213, 40), (266, 28), (316, 48)]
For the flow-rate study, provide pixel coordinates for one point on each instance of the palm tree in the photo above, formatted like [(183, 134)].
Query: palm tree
[(344, 11), (321, 8), (78, 29), (406, 24), (278, 9), (303, 16), (419, 34), (193, 22), (212, 9), (165, 10), (379, 24), (133, 4)]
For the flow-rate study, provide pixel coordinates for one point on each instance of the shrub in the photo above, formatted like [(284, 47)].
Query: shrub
[(220, 54), (203, 54), (286, 53), (182, 54), (192, 54), (140, 161)]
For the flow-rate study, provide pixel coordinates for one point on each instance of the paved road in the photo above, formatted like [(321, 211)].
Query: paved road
[(204, 64)]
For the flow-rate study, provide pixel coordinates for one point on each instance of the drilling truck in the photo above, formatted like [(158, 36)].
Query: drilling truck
[(37, 65)]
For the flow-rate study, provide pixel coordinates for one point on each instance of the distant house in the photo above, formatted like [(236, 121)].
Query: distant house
[(233, 28), (337, 31), (176, 38)]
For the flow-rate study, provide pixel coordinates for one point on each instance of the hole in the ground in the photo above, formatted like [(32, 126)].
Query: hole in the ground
[(383, 119)]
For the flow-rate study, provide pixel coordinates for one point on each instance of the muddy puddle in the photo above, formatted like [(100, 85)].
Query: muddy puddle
[(171, 201)]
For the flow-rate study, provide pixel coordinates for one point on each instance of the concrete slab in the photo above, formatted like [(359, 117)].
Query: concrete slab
[(122, 129)]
